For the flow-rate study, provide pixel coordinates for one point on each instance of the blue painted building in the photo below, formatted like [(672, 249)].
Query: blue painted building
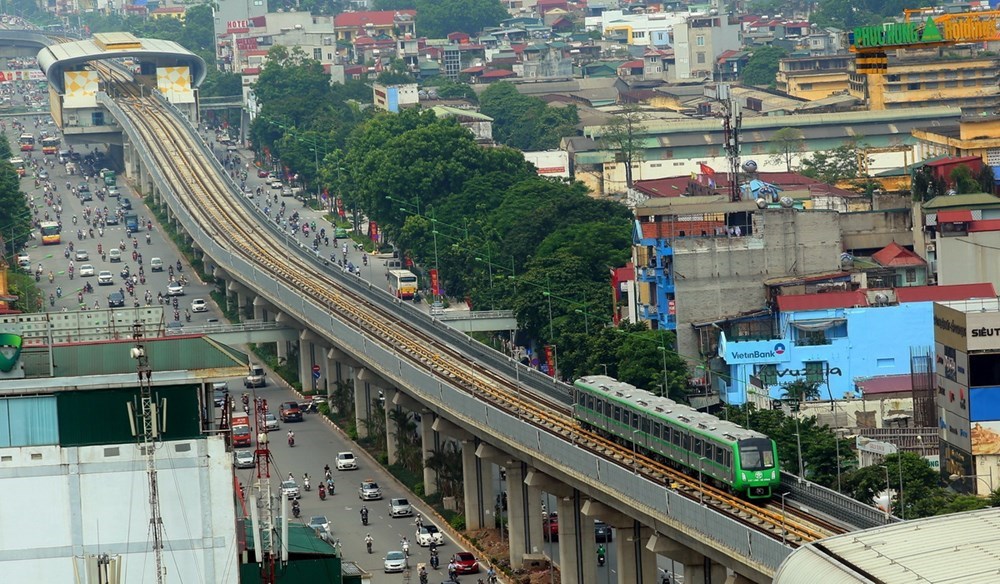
[(836, 339)]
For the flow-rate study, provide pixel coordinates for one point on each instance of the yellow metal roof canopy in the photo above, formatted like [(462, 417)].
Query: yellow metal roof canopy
[(117, 41)]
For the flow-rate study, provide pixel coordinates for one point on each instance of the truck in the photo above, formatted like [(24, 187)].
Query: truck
[(241, 431), (255, 377), (132, 223)]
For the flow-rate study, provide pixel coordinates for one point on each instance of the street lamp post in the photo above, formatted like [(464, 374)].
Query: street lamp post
[(635, 462), (701, 486), (784, 526), (888, 495), (605, 366), (956, 477), (798, 446)]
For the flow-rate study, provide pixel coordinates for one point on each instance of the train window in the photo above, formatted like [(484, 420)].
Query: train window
[(645, 425), (590, 402), (676, 436), (729, 459), (756, 454), (697, 446), (618, 414), (720, 455), (635, 421), (656, 430), (709, 452), (582, 398)]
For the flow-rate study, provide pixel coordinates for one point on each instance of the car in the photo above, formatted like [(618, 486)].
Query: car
[(43, 174), (429, 533), (286, 192), (550, 527), (104, 278), (346, 461), (156, 265), (126, 204), (86, 270), (466, 563), (219, 392), (114, 255), (83, 188), (395, 562), (175, 289), (321, 524), (82, 255), (86, 196), (602, 532), (111, 219), (270, 422), (255, 378), (290, 412), (261, 173), (369, 491), (116, 300), (276, 185), (400, 507), (199, 305), (114, 191), (271, 177), (290, 489), (244, 459)]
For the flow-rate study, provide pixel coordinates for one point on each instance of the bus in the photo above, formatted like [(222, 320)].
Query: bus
[(27, 142), (50, 145), (18, 164), (402, 284), (50, 233)]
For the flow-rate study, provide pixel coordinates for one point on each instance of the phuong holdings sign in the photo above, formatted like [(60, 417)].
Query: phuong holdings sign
[(969, 27)]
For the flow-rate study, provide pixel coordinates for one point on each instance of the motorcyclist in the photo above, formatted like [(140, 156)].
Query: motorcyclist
[(291, 438), (364, 515), (295, 508), (305, 481), (368, 542)]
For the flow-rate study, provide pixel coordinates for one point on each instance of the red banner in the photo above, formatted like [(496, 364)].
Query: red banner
[(550, 360), (340, 208), (434, 282), (373, 231)]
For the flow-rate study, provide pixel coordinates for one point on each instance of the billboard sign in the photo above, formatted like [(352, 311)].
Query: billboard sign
[(958, 28), (952, 364), (985, 438), (752, 352), (984, 404)]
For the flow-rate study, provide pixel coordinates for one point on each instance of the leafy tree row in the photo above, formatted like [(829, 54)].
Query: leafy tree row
[(438, 18), (526, 122)]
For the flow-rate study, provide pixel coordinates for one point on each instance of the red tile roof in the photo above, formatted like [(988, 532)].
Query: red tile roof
[(376, 17), (983, 225), (170, 10), (945, 293), (952, 160), (886, 384), (795, 302), (631, 65), (962, 216), (497, 74), (896, 256), (726, 54), (677, 185), (473, 70)]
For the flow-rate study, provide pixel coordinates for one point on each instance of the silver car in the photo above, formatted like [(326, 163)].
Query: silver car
[(244, 459), (400, 507), (395, 562), (290, 489)]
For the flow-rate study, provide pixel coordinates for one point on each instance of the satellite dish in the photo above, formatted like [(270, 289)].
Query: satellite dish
[(761, 203), (750, 166), (787, 202), (881, 299)]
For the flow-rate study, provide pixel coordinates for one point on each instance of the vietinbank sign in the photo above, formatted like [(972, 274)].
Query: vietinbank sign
[(970, 27), (744, 352)]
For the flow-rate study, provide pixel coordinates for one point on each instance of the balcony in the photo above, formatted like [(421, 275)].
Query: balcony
[(648, 275)]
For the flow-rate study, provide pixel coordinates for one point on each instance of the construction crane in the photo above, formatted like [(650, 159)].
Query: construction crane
[(151, 429), (870, 43)]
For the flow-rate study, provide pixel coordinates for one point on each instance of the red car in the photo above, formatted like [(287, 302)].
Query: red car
[(550, 527), (466, 563), (261, 173)]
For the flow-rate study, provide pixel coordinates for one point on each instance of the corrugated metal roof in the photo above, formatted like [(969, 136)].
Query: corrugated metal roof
[(937, 550), (962, 216), (167, 354), (972, 201), (895, 256), (886, 384), (945, 293), (793, 302)]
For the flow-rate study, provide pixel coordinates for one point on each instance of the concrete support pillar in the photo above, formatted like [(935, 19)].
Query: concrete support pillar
[(241, 303), (698, 568), (577, 549), (636, 563), (477, 482), (429, 442), (260, 306), (391, 431), (737, 579), (524, 512), (362, 401), (305, 363)]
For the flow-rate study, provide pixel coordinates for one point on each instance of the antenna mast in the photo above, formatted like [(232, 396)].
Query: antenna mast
[(150, 433), (266, 545), (732, 123)]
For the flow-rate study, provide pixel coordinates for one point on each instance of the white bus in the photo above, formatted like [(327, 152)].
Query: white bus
[(402, 284)]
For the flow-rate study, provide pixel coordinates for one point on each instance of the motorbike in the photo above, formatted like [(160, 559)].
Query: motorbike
[(295, 509), (291, 441), (368, 543), (364, 518), (330, 486), (435, 561), (322, 493), (406, 547), (38, 277), (601, 559), (306, 484)]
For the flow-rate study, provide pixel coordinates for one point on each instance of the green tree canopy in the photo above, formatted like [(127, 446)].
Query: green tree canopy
[(525, 122), (832, 166), (438, 18), (763, 66)]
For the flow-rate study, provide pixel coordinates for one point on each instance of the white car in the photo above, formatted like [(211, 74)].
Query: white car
[(290, 489), (321, 524), (244, 459), (199, 305), (270, 422), (346, 461), (86, 270), (175, 289), (429, 533), (395, 562), (105, 278)]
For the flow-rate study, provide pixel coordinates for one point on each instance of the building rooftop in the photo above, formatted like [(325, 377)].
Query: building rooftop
[(897, 256), (886, 384), (794, 302), (945, 293), (375, 18), (935, 550), (969, 201)]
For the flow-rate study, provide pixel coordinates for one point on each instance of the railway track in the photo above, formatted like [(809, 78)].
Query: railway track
[(208, 199)]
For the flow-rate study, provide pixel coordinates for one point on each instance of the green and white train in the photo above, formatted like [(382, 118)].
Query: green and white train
[(743, 460)]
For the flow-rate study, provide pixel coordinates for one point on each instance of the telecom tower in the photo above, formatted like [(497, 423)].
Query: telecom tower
[(262, 512), (151, 429), (732, 123)]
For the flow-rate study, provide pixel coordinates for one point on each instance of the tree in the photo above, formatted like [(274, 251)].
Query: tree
[(962, 180), (986, 179), (832, 166), (525, 122), (904, 472), (785, 144), (437, 18), (800, 390), (762, 68), (623, 136)]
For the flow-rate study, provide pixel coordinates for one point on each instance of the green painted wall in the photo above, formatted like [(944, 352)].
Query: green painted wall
[(101, 416)]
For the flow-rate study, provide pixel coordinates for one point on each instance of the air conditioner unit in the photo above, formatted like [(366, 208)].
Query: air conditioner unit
[(931, 246)]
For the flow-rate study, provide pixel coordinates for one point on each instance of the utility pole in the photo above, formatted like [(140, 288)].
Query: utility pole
[(150, 434), (732, 123)]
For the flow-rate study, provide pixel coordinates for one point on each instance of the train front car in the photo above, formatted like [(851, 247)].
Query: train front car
[(757, 472)]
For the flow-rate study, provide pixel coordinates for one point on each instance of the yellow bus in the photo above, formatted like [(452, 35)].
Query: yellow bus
[(50, 145), (50, 233), (402, 284)]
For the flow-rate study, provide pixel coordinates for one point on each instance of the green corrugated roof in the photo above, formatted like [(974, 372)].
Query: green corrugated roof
[(167, 354), (969, 201), (302, 539)]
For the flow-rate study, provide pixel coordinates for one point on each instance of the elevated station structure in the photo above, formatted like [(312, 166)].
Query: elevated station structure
[(155, 65)]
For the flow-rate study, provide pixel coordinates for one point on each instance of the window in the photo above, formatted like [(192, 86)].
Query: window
[(645, 425), (911, 275), (806, 86), (814, 371), (913, 86), (618, 414), (968, 83), (635, 421), (318, 54), (768, 374), (638, 34), (811, 338), (701, 58), (931, 85), (28, 421), (950, 84), (699, 40)]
